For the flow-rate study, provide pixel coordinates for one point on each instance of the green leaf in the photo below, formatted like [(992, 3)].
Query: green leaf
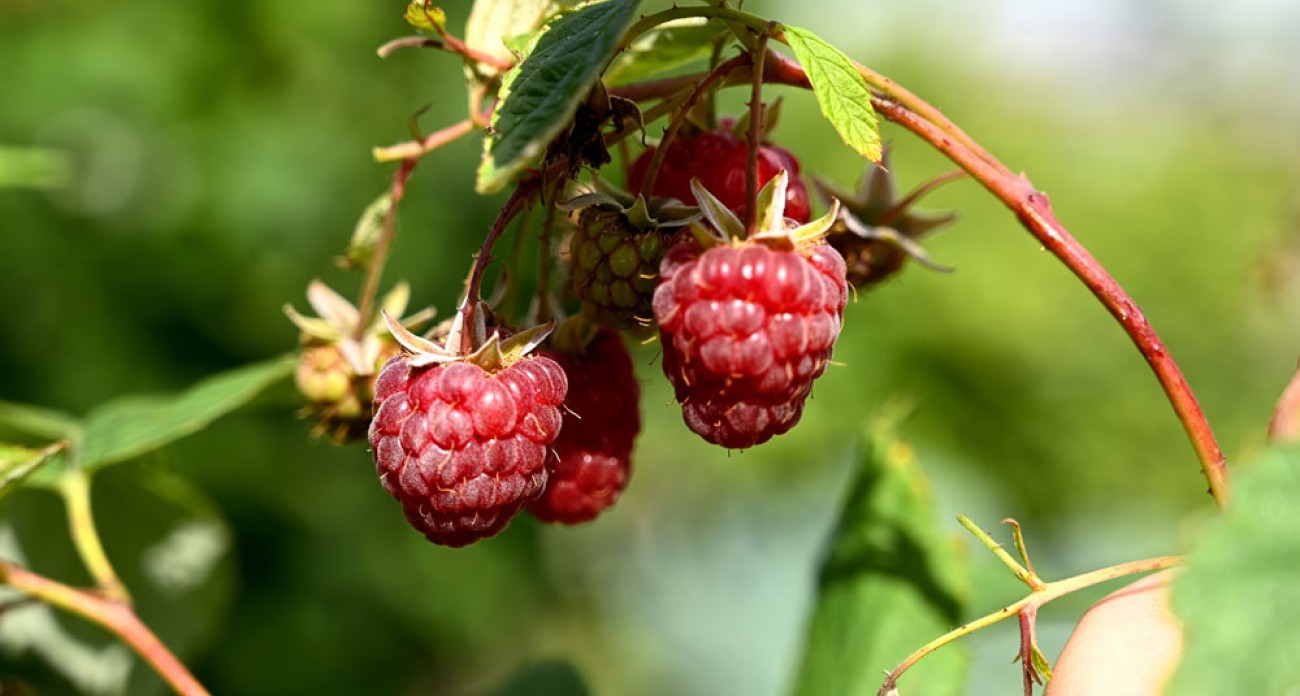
[(37, 421), (841, 92), (1238, 596), (494, 25), (549, 678), (134, 425), (539, 97), (17, 463), (668, 47), (891, 582)]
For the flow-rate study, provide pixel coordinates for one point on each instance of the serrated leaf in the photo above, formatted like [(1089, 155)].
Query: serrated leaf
[(892, 581), (17, 463), (668, 47), (134, 425), (842, 94), (494, 26), (1238, 596), (539, 97)]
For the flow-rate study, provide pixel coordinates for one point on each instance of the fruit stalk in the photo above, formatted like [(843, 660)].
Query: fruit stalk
[(518, 199), (113, 615), (756, 115)]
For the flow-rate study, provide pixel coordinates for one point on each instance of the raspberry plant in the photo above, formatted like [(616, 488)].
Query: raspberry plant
[(658, 219)]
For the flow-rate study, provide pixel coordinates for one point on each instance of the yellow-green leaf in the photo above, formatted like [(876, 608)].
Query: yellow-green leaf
[(842, 94)]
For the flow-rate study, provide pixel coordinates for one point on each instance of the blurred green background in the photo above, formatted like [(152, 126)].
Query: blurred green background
[(220, 153)]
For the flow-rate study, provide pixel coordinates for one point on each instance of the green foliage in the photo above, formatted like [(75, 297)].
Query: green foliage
[(892, 581), (130, 426), (173, 550), (1238, 596), (841, 92), (134, 425), (17, 463), (539, 97), (666, 48)]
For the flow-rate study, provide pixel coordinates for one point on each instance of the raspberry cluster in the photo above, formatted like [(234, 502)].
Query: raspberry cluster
[(470, 431)]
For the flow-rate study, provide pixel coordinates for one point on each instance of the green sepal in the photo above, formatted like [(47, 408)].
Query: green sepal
[(722, 219)]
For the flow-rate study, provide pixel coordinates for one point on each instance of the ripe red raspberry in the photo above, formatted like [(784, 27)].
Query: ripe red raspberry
[(462, 448), (601, 421), (719, 159), (745, 329)]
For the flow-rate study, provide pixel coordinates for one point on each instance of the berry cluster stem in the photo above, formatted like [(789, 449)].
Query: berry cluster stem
[(114, 615), (513, 205), (756, 117)]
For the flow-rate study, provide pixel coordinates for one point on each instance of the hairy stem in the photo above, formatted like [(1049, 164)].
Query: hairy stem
[(75, 488), (113, 615), (1035, 212), (1020, 571), (756, 116), (1036, 599)]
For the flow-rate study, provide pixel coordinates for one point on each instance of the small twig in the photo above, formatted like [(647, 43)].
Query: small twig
[(396, 45), (75, 488), (1036, 599), (756, 112), (1033, 581), (423, 146), (113, 615), (366, 304), (518, 199), (679, 117), (545, 258)]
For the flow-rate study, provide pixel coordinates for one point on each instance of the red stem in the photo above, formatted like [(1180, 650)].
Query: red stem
[(114, 616), (756, 116), (518, 198), (1034, 211)]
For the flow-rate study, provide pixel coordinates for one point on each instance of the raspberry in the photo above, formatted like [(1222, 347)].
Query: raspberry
[(601, 422), (463, 448), (745, 329), (718, 159), (615, 266)]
